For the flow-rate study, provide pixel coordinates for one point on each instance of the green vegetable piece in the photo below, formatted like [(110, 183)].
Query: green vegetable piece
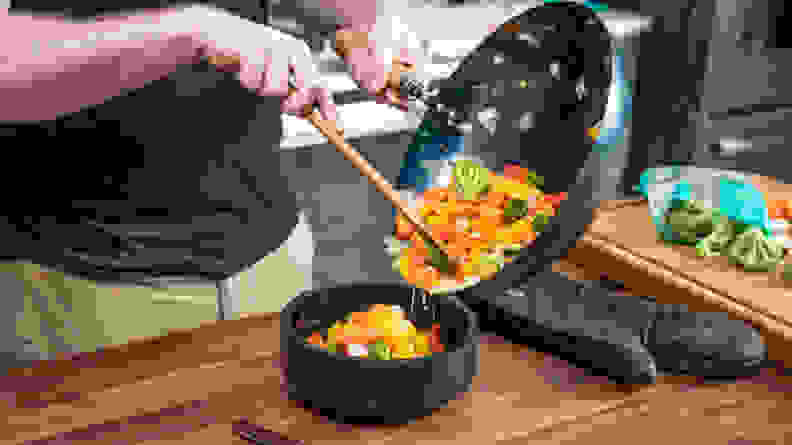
[(515, 208), (755, 252), (471, 179), (332, 348), (714, 243), (494, 258), (379, 351), (532, 178), (437, 258), (513, 249), (690, 221), (540, 222), (787, 273)]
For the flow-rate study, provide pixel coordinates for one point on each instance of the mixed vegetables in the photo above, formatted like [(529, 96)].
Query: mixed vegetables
[(381, 333), (482, 217)]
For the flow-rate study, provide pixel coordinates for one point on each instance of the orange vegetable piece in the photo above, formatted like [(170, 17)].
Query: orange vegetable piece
[(788, 209), (378, 308), (490, 219), (404, 230), (456, 249), (315, 339), (465, 208), (361, 318), (444, 232), (497, 199), (513, 171), (459, 273), (778, 209), (774, 210), (419, 246), (436, 194), (356, 334), (426, 277)]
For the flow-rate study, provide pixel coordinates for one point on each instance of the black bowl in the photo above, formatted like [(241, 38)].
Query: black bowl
[(360, 390)]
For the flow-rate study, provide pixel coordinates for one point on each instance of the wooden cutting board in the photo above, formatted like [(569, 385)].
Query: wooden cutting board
[(623, 243)]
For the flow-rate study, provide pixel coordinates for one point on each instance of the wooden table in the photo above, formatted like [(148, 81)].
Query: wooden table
[(189, 387), (623, 243)]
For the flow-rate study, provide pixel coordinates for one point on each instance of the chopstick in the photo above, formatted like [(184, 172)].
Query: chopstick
[(331, 132), (280, 439)]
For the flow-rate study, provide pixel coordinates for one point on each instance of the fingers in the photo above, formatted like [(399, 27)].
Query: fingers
[(275, 79), (250, 76), (392, 98), (327, 107), (368, 69)]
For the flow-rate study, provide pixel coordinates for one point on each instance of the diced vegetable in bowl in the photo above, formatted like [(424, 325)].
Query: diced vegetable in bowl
[(381, 333)]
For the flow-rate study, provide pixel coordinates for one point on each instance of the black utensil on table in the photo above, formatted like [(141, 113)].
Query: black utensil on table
[(268, 438)]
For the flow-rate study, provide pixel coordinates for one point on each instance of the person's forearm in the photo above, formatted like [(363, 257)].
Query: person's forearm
[(50, 66)]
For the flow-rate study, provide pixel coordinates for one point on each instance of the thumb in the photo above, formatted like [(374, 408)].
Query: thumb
[(250, 76)]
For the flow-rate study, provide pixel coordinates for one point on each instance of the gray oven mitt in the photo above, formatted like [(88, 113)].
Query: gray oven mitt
[(705, 344), (625, 337)]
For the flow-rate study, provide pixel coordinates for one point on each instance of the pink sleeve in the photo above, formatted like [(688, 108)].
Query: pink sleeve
[(50, 66)]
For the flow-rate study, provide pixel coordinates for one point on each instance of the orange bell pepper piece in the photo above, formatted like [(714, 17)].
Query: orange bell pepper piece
[(465, 208), (496, 199), (491, 216), (436, 194), (456, 249)]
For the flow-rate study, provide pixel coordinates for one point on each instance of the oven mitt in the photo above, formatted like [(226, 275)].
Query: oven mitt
[(624, 337), (729, 192), (593, 330), (705, 344)]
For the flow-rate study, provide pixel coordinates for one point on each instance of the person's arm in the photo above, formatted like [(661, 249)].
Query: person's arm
[(51, 66)]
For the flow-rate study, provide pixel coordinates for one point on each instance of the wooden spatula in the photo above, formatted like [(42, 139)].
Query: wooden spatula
[(331, 132)]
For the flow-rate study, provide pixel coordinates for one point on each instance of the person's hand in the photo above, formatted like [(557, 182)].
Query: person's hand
[(262, 58), (371, 50)]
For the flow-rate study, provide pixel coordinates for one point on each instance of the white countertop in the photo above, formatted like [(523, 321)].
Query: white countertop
[(370, 118)]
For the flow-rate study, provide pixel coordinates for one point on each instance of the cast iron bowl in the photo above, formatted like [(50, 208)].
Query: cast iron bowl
[(360, 390)]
